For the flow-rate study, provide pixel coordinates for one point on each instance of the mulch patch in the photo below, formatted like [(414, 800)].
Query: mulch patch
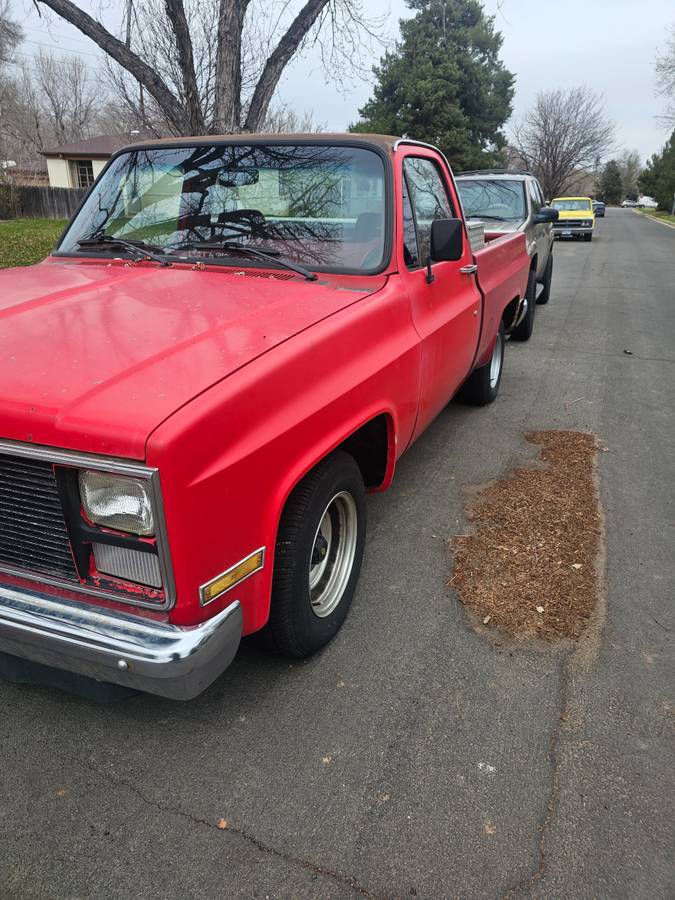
[(529, 566)]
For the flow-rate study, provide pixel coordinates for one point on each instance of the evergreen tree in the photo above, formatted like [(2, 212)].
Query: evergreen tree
[(658, 177), (444, 83), (611, 188)]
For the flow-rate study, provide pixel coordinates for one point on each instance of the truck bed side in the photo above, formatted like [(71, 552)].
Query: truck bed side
[(503, 267)]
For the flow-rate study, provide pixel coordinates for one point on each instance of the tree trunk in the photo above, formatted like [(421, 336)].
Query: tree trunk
[(227, 106), (176, 13)]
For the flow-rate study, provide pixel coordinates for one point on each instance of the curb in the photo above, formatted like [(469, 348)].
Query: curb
[(660, 221)]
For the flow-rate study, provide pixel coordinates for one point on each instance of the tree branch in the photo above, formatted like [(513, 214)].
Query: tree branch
[(141, 71), (278, 60), (176, 14)]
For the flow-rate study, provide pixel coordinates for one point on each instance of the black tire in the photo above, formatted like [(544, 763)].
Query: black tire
[(481, 388), (294, 628), (545, 294), (588, 237), (523, 332)]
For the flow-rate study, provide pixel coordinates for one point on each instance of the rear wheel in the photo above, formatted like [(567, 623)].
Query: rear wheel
[(482, 386), (318, 557), (545, 294), (523, 332)]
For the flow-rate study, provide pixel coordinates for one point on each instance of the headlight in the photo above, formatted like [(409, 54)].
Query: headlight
[(117, 502)]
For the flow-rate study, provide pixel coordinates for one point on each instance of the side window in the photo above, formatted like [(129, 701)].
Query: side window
[(538, 194), (410, 254), (534, 199), (428, 197)]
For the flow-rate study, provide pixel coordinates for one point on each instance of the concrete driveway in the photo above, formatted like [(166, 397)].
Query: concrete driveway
[(412, 758)]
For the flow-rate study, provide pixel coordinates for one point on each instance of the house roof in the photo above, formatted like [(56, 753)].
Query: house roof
[(100, 147)]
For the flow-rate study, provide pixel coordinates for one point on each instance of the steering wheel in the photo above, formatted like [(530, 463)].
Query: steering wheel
[(253, 221)]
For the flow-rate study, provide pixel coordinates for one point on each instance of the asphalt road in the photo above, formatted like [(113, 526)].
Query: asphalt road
[(411, 757)]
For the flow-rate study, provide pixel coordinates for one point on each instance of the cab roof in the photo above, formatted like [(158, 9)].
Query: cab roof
[(385, 141)]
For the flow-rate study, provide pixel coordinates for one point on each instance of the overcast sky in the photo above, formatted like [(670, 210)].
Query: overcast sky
[(606, 44)]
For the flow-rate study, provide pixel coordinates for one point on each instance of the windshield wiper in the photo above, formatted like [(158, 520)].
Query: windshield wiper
[(269, 255), (141, 249), (493, 218)]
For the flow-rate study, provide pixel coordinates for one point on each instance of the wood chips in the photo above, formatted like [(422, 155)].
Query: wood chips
[(529, 567)]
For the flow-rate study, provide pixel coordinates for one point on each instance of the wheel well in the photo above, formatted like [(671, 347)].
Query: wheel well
[(370, 448), (510, 313)]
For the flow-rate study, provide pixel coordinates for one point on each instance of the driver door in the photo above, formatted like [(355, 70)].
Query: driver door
[(446, 312)]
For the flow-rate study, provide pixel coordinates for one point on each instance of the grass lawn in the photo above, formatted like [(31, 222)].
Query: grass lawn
[(26, 241), (657, 214)]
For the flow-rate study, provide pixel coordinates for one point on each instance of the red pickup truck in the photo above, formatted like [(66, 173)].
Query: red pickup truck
[(235, 339)]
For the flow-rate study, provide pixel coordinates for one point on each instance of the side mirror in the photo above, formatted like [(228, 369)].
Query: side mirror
[(447, 240), (545, 215)]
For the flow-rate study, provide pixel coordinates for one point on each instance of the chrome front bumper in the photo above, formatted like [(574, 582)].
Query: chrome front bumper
[(137, 652), (558, 230)]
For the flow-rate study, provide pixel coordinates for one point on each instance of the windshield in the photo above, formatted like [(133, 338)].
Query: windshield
[(499, 199), (569, 205), (320, 206)]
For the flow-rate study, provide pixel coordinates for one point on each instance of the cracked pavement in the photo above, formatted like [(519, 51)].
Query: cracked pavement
[(412, 757)]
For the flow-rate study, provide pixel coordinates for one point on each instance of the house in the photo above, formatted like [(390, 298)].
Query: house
[(78, 165)]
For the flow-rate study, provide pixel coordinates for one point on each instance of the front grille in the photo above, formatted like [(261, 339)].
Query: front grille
[(571, 223), (33, 533)]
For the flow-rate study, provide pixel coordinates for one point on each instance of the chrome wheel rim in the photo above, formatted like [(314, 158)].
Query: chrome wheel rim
[(333, 553), (496, 362)]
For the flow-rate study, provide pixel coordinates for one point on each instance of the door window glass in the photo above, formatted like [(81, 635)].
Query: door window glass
[(429, 199), (410, 253), (534, 198)]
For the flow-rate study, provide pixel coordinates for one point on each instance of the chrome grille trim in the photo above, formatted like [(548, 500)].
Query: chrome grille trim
[(104, 464)]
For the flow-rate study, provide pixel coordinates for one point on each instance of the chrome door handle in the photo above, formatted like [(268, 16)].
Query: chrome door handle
[(468, 270)]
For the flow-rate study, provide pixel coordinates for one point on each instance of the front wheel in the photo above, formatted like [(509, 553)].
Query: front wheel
[(318, 557), (482, 386), (588, 237)]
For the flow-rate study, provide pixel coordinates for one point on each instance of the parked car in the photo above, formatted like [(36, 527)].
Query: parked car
[(512, 201), (645, 202), (629, 204), (234, 340), (599, 209), (575, 219)]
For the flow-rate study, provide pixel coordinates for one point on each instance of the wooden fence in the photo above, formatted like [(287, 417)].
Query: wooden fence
[(22, 201)]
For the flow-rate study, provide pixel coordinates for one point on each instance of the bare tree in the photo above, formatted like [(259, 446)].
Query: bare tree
[(54, 101), (198, 66), (11, 33), (665, 78), (630, 167), (562, 137), (282, 118)]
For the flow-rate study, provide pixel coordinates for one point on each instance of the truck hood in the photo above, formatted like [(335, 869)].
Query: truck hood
[(95, 355)]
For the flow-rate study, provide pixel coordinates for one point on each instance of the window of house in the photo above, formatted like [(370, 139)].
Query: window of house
[(84, 173)]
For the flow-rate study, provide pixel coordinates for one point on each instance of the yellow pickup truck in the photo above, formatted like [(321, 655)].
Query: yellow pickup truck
[(575, 217)]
